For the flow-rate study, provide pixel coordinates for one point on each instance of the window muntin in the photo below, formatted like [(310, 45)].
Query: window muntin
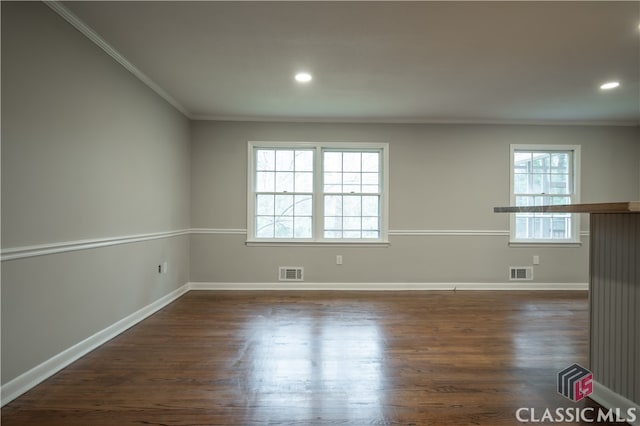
[(328, 192), (544, 175)]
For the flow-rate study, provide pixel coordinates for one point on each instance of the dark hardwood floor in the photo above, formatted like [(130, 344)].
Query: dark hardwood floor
[(305, 358)]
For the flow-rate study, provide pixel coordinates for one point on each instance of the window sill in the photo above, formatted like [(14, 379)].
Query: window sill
[(290, 243), (558, 244)]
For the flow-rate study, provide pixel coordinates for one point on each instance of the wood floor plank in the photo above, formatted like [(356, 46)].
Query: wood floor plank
[(305, 358)]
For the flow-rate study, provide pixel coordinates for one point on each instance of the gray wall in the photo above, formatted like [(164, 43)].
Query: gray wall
[(88, 151), (442, 177)]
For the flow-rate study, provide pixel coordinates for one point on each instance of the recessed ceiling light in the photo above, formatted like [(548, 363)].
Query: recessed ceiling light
[(303, 77), (610, 85)]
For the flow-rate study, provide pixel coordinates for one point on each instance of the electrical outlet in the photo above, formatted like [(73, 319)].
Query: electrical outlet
[(339, 259), (536, 259)]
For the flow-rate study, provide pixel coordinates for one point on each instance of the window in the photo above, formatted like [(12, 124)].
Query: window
[(544, 175), (304, 192)]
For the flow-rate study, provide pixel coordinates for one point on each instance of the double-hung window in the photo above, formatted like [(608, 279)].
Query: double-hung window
[(545, 175), (317, 193)]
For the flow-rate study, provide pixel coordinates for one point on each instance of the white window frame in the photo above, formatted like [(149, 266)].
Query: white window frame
[(318, 204), (574, 240)]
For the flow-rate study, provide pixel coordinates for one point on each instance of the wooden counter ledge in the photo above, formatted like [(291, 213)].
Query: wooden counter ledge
[(622, 207)]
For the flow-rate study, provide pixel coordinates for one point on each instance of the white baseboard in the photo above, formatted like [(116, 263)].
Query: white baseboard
[(609, 399), (21, 384), (387, 286)]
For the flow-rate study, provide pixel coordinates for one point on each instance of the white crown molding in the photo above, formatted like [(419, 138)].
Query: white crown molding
[(372, 286), (424, 120), (21, 384), (68, 246), (92, 35)]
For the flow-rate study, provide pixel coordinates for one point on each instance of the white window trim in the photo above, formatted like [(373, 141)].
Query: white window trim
[(318, 206), (575, 240)]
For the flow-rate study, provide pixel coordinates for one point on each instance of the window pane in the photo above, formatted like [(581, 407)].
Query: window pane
[(351, 161), (370, 162), (333, 234), (352, 205), (524, 201), (333, 205), (333, 182), (265, 181), (284, 227), (303, 205), (370, 206), (304, 161), (352, 234), (303, 182), (352, 223), (559, 184), (265, 159), (284, 205), (265, 205), (521, 183), (332, 223), (521, 162), (522, 226), (560, 162), (332, 161), (333, 188), (351, 178), (264, 227), (370, 234), (370, 223), (333, 178), (541, 162), (284, 160), (370, 178), (302, 228), (284, 182), (539, 184)]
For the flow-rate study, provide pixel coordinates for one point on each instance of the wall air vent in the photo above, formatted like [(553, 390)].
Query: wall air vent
[(291, 273), (520, 273)]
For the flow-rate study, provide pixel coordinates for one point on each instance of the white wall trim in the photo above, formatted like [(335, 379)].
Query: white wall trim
[(610, 399), (67, 246), (13, 253), (369, 286), (448, 232), (219, 231), (21, 384), (92, 35)]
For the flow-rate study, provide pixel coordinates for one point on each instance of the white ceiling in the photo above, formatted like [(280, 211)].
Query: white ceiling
[(520, 62)]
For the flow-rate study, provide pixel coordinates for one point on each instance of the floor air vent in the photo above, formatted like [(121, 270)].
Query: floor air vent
[(291, 273), (520, 273)]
